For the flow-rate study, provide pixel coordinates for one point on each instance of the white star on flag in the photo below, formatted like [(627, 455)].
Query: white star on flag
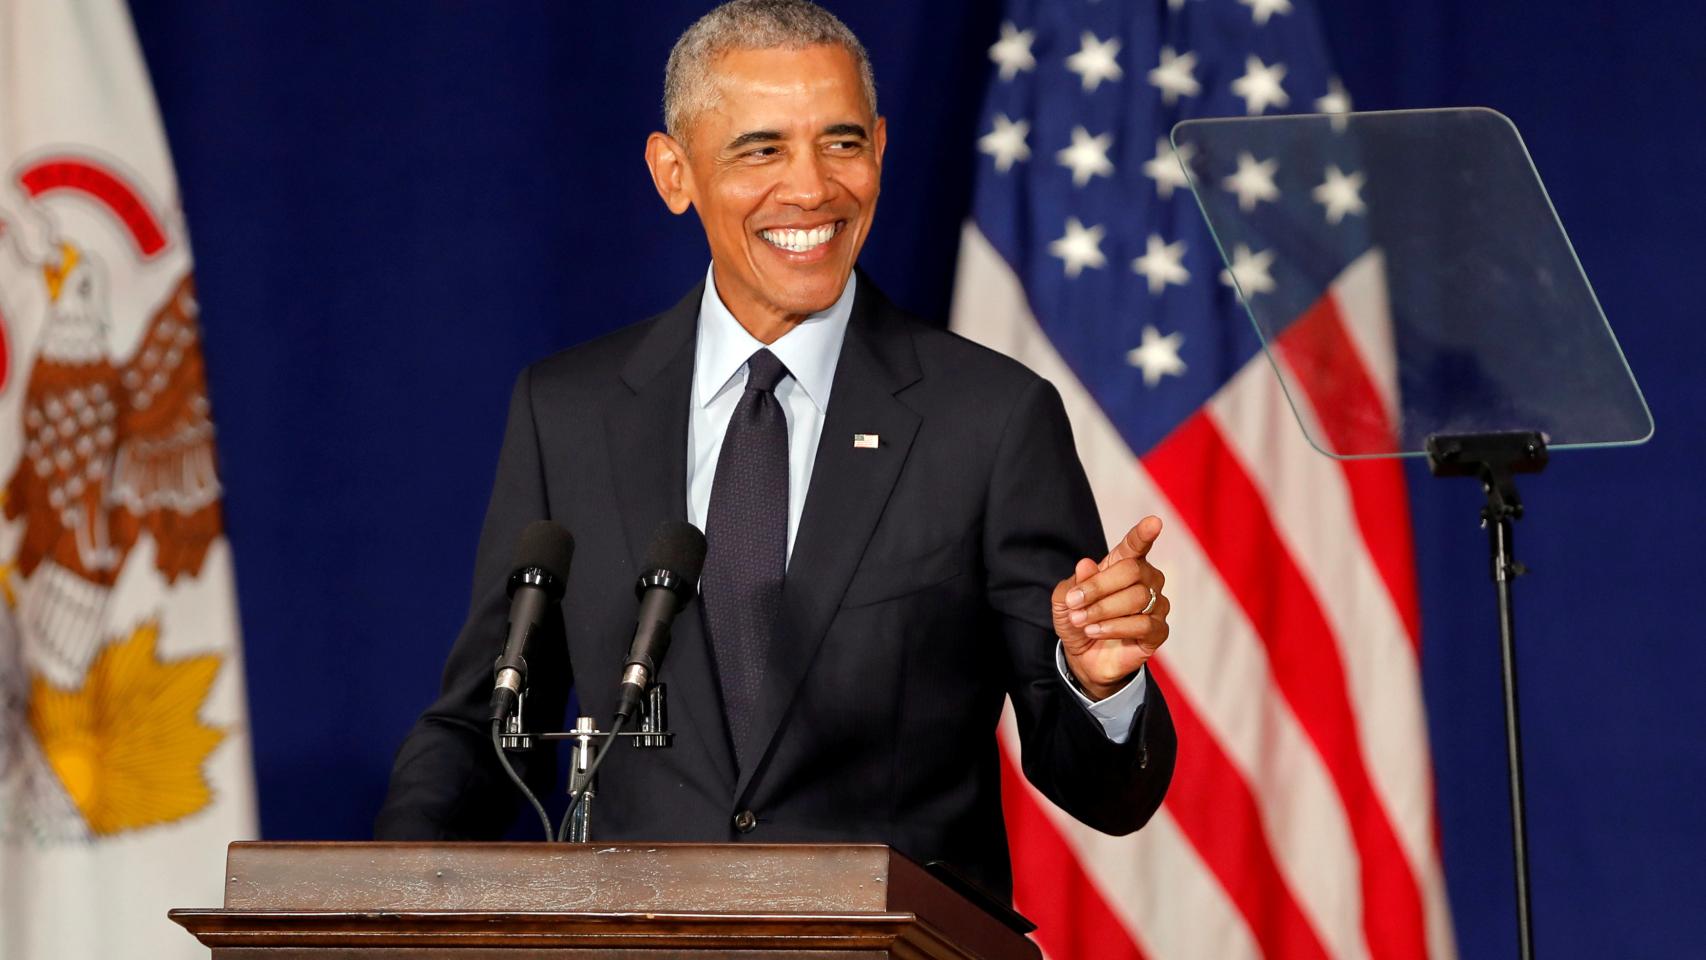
[(1254, 181), (1081, 247), (1013, 50), (1167, 170), (1162, 263), (1340, 194), (1157, 356), (1088, 156), (1249, 273), (1006, 143), (1336, 101), (1260, 86), (1261, 10), (1095, 60), (1175, 76)]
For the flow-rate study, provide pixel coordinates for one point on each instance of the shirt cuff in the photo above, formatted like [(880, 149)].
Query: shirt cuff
[(1118, 709)]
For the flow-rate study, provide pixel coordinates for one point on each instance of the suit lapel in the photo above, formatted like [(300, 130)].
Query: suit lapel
[(849, 488), (648, 456)]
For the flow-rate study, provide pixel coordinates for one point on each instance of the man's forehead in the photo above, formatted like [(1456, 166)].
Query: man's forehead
[(789, 84), (814, 58)]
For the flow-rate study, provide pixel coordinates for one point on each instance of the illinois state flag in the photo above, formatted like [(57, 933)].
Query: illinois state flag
[(124, 760), (1300, 819)]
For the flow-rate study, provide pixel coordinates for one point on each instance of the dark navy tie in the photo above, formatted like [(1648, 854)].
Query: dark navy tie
[(746, 534)]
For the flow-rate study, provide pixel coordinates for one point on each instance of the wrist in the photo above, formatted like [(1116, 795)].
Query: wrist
[(1091, 688)]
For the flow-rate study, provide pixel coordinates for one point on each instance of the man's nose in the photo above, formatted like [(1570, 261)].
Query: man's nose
[(805, 180)]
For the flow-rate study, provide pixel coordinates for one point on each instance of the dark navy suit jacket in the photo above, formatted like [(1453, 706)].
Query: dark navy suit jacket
[(917, 599)]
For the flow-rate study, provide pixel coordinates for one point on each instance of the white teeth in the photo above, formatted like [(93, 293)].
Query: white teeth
[(799, 241)]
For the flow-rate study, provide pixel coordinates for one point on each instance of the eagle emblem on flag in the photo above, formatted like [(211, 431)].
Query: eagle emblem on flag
[(114, 447)]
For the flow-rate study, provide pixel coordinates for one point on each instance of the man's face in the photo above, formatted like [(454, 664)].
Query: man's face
[(784, 172)]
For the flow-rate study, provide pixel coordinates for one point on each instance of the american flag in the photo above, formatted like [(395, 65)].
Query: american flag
[(1300, 822)]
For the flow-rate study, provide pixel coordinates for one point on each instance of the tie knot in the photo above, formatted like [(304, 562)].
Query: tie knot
[(764, 372)]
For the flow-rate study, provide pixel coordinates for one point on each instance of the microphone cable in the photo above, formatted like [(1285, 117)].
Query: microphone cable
[(520, 784)]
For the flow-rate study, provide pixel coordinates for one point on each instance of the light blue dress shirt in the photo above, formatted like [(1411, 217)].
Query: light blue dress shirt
[(810, 351)]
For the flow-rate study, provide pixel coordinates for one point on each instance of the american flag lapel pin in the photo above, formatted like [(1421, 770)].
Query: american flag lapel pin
[(865, 441)]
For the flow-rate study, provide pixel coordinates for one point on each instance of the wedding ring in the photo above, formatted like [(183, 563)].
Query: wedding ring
[(1153, 596)]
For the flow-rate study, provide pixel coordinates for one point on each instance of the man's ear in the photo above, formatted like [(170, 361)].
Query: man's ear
[(667, 159), (880, 138)]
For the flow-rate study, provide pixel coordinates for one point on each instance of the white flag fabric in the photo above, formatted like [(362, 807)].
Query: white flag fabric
[(124, 754)]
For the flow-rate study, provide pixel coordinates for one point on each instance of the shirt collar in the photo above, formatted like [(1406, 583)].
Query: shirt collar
[(809, 351)]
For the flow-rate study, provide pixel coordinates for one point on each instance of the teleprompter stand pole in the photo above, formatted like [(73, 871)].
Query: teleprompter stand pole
[(1494, 459)]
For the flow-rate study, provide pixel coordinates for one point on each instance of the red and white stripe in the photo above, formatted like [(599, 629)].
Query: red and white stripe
[(1300, 821)]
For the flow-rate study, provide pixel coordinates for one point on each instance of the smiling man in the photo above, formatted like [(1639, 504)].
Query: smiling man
[(780, 152), (900, 535)]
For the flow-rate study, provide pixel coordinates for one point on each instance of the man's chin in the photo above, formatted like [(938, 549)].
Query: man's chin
[(802, 299), (803, 306)]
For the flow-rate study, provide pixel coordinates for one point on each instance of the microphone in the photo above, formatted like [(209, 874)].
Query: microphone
[(671, 576), (541, 574)]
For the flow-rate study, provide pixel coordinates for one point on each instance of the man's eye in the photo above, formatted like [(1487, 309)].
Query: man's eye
[(763, 152)]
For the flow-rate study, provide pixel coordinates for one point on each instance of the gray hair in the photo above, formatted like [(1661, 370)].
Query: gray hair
[(688, 87)]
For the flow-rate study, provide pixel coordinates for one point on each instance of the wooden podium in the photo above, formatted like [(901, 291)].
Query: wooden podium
[(528, 901)]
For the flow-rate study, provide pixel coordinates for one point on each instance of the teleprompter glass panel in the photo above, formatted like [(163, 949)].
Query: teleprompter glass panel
[(1409, 278)]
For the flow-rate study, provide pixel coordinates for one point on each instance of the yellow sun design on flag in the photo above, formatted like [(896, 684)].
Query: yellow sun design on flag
[(128, 747)]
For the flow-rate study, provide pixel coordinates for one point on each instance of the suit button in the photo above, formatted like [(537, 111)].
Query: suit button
[(745, 821)]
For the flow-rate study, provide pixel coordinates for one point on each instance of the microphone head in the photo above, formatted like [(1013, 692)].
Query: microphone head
[(548, 548), (678, 547)]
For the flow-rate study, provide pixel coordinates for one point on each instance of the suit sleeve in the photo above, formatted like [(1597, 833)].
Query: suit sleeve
[(446, 783), (1041, 518)]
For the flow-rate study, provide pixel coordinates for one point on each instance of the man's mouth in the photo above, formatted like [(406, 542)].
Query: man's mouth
[(802, 241)]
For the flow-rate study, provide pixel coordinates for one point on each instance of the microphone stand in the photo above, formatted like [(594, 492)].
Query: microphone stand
[(583, 782), (591, 745)]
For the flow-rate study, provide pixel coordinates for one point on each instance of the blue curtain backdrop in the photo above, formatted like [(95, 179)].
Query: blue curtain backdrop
[(395, 206)]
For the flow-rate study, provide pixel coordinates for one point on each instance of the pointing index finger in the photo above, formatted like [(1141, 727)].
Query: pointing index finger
[(1135, 543)]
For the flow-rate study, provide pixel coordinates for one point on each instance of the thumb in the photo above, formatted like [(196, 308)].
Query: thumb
[(1083, 570)]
